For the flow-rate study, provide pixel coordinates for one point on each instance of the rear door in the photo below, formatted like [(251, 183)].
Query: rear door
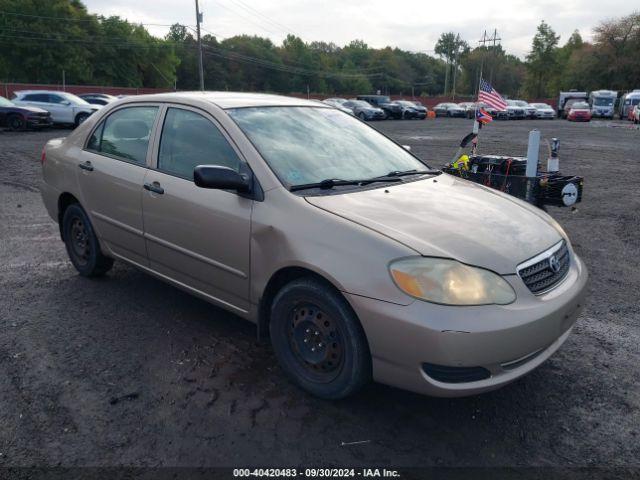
[(111, 173), (197, 237)]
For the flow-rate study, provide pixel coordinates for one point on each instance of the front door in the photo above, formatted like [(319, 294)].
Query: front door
[(197, 237), (111, 172), (60, 108)]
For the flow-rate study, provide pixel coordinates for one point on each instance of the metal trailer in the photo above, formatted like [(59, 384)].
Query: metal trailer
[(627, 102), (603, 103), (564, 96)]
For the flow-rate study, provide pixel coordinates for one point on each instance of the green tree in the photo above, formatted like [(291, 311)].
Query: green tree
[(542, 61)]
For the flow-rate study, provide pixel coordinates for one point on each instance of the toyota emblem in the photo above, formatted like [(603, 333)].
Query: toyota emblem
[(554, 264)]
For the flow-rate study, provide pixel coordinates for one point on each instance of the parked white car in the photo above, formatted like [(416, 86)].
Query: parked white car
[(65, 108), (544, 110)]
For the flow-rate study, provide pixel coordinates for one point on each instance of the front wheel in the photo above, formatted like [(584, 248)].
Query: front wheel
[(318, 339), (82, 244), (362, 116), (16, 122)]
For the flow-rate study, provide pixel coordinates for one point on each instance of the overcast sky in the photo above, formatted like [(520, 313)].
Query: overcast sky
[(409, 24)]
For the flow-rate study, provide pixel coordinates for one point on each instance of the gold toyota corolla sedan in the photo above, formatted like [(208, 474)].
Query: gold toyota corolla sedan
[(358, 259)]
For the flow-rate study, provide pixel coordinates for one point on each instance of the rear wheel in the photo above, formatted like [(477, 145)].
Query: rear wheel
[(318, 339), (82, 244), (16, 122)]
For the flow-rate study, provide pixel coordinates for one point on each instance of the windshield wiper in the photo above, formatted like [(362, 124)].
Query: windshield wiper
[(399, 173), (334, 182)]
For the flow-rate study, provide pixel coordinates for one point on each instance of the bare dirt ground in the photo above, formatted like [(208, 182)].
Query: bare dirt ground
[(126, 370)]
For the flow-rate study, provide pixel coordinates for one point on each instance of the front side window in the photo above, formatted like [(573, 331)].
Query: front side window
[(188, 140), (125, 134), (310, 144)]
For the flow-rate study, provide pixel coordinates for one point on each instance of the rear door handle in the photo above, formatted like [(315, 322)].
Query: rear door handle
[(86, 166), (154, 187)]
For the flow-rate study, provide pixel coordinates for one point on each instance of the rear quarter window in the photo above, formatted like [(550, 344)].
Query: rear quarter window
[(125, 134)]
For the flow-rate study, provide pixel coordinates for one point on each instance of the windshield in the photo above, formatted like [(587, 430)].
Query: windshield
[(603, 101), (359, 103), (580, 105), (5, 103), (307, 144)]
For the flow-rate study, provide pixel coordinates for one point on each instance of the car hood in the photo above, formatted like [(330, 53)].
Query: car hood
[(29, 109), (451, 218)]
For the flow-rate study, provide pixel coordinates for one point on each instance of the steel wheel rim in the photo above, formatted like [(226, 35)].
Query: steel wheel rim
[(80, 245), (316, 342)]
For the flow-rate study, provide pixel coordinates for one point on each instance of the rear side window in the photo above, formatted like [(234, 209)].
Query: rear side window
[(125, 134), (188, 140), (37, 97)]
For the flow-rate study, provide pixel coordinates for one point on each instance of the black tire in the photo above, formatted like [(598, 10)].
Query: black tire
[(81, 117), (82, 244), (306, 315), (362, 116), (16, 122)]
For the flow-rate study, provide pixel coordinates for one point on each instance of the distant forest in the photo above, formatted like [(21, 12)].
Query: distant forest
[(41, 38)]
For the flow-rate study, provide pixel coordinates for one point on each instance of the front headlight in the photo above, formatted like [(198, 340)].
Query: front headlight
[(449, 282)]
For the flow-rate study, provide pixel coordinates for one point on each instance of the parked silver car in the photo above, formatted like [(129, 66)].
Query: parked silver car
[(449, 110), (65, 108), (339, 104), (364, 110), (360, 260), (544, 111)]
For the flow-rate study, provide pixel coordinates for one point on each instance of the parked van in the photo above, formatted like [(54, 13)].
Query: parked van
[(627, 102), (603, 103), (566, 96)]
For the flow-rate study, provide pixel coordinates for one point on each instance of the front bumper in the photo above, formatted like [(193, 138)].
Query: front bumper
[(39, 122), (508, 341)]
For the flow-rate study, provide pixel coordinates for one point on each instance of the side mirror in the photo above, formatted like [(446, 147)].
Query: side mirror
[(65, 102), (221, 178)]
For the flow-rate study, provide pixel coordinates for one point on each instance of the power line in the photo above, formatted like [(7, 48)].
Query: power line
[(69, 19), (256, 13), (244, 17)]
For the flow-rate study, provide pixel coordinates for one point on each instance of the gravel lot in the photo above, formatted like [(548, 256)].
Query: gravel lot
[(126, 370)]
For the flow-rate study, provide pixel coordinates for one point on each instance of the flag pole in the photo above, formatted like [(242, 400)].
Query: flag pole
[(476, 123)]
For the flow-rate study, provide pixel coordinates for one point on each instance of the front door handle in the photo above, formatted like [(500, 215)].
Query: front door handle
[(86, 166), (154, 187)]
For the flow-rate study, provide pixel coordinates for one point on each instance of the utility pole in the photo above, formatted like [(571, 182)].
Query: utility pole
[(455, 66), (198, 21), (446, 73), (495, 40)]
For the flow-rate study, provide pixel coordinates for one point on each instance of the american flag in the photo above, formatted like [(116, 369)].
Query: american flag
[(490, 97)]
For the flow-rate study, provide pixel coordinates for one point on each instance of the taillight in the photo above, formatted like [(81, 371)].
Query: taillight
[(43, 157)]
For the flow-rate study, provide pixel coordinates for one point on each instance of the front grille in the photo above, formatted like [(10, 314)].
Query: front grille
[(545, 271), (446, 374)]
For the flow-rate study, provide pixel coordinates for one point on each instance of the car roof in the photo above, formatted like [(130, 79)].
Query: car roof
[(227, 99), (42, 91)]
